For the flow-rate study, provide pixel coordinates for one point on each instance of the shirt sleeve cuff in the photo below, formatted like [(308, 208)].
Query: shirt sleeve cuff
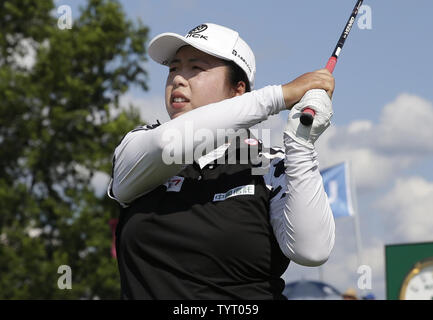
[(280, 104)]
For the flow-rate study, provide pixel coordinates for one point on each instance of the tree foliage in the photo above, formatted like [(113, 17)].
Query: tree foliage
[(60, 121)]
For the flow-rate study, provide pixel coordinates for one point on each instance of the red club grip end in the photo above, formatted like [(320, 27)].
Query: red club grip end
[(331, 64), (310, 111)]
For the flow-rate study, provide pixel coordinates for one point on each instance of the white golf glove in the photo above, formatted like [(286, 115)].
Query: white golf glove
[(319, 101)]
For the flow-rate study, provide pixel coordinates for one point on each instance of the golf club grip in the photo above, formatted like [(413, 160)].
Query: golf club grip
[(307, 116)]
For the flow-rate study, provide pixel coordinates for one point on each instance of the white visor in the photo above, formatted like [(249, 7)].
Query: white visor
[(210, 38)]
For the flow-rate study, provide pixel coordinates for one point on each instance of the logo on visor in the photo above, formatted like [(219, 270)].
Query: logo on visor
[(236, 54), (194, 33), (198, 29)]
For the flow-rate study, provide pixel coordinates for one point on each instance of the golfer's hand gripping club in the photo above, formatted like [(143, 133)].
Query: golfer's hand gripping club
[(307, 116), (319, 100)]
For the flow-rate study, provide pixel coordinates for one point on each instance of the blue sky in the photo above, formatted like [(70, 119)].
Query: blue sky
[(383, 106)]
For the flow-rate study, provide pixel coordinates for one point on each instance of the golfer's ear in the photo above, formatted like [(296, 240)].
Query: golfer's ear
[(239, 89)]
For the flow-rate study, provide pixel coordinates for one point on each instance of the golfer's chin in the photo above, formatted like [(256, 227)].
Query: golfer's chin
[(178, 112)]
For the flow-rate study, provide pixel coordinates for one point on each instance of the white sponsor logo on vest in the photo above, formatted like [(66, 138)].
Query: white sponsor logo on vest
[(248, 189)]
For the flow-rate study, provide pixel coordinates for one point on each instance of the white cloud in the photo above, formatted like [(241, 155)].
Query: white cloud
[(406, 123), (369, 169), (405, 126), (408, 210), (357, 127), (379, 152)]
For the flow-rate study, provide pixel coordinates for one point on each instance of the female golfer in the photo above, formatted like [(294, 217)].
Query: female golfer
[(196, 221)]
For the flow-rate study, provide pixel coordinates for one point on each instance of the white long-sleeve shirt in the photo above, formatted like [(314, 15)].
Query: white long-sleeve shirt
[(302, 220)]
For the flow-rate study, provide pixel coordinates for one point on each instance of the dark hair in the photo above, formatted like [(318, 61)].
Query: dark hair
[(236, 74)]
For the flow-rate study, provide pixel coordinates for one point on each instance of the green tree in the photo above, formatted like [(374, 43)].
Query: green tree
[(60, 121)]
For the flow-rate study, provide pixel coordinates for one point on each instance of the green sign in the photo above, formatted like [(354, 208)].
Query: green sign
[(402, 262)]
